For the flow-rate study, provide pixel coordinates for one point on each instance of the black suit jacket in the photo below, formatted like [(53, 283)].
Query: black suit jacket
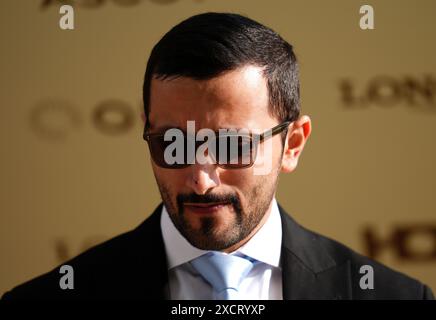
[(133, 266)]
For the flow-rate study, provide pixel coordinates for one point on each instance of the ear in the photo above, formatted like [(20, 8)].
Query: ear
[(298, 133)]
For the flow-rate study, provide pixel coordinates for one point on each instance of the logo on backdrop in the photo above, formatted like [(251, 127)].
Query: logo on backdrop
[(56, 119), (407, 242), (416, 92)]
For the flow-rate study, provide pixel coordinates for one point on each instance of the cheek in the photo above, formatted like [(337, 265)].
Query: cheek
[(239, 179), (172, 180)]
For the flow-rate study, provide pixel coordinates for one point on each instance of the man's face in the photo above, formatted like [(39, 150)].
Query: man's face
[(212, 207)]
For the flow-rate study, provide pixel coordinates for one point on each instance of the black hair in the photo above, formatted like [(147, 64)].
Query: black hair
[(209, 44)]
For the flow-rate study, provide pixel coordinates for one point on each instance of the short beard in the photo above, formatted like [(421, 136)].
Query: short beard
[(208, 236)]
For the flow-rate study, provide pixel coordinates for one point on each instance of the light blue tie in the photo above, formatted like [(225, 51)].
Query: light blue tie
[(224, 273)]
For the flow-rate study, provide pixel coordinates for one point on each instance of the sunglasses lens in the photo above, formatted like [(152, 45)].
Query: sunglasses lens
[(233, 152), (157, 146), (230, 152)]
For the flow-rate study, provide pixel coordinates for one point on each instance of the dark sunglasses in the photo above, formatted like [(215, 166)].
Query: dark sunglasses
[(231, 150)]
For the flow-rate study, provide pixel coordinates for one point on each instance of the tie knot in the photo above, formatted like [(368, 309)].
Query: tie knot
[(224, 272)]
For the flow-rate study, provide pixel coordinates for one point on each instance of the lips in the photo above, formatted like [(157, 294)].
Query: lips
[(205, 208)]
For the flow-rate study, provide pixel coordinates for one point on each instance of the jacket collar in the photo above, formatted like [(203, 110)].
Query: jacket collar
[(309, 271)]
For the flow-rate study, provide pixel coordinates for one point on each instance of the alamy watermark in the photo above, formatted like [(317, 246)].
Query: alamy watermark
[(237, 147)]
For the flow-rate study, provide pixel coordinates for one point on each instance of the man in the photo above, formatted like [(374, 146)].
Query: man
[(220, 233)]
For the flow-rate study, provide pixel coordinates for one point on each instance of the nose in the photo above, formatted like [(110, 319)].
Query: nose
[(203, 178)]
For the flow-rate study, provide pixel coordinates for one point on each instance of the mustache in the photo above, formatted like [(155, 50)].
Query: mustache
[(207, 198)]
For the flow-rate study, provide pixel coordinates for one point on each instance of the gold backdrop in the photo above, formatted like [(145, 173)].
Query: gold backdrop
[(75, 171)]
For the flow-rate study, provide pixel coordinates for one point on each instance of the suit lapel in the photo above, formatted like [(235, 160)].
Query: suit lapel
[(309, 272)]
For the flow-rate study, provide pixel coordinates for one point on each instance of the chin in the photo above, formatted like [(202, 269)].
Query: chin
[(210, 240)]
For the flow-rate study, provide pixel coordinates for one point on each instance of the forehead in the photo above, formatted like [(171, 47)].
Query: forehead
[(238, 98)]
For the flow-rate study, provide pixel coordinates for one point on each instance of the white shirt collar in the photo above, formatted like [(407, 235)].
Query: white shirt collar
[(264, 246)]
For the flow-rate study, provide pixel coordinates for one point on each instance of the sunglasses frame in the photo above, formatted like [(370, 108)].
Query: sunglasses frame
[(259, 138)]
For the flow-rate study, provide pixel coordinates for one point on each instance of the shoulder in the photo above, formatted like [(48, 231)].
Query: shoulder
[(381, 282), (105, 270), (87, 270)]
